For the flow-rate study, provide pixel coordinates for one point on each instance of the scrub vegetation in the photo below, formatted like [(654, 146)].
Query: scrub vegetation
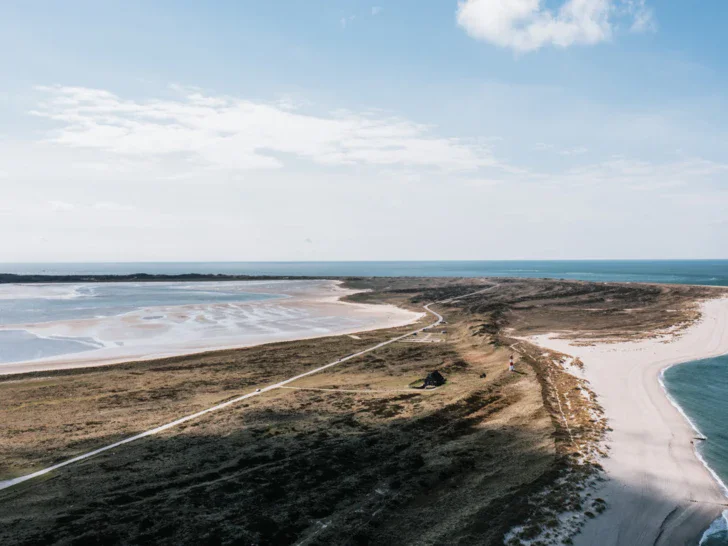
[(351, 455)]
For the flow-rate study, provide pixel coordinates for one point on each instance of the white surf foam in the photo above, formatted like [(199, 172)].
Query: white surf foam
[(720, 525), (701, 437)]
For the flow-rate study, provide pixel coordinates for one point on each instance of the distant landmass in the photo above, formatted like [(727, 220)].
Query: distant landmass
[(702, 272), (144, 277)]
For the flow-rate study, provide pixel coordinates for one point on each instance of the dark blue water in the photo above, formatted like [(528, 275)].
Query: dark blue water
[(705, 272), (701, 390)]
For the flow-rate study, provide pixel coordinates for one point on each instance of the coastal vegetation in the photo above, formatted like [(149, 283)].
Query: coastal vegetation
[(351, 455)]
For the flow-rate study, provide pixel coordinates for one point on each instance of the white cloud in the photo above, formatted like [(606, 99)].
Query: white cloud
[(527, 25), (238, 134), (344, 21), (334, 171), (106, 206), (376, 10), (483, 182), (110, 206), (643, 19), (574, 151), (633, 174), (61, 206), (543, 147)]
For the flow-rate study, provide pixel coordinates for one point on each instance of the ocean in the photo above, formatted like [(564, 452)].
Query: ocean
[(705, 272), (701, 389)]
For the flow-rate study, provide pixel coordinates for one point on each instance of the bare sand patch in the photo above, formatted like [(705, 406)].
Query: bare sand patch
[(658, 491)]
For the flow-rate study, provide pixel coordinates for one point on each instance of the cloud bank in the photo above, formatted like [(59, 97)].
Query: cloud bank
[(233, 133), (211, 177), (527, 25)]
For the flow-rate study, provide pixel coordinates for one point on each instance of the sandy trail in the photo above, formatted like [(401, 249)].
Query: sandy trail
[(658, 491)]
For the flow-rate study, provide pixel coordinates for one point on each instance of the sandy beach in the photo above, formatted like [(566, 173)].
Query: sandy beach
[(658, 491), (307, 309)]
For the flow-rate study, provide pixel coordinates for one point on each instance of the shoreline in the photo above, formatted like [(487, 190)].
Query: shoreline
[(323, 299), (654, 468), (712, 529), (701, 437)]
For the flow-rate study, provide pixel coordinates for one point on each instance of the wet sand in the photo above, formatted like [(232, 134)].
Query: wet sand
[(308, 310)]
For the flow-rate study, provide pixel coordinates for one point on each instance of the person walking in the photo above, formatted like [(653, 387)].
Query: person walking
[(511, 365)]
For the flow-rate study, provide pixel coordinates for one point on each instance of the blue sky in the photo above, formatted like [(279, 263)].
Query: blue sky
[(362, 130)]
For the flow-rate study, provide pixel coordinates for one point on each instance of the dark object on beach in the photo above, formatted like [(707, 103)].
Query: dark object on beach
[(433, 379), (482, 375)]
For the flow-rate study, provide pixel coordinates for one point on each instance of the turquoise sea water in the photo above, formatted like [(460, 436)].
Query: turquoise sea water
[(701, 390), (706, 272)]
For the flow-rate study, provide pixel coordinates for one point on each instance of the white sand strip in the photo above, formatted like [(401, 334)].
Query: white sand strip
[(658, 491)]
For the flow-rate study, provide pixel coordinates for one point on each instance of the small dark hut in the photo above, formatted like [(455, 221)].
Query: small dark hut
[(434, 379)]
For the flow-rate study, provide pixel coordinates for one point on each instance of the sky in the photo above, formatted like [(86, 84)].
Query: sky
[(178, 130)]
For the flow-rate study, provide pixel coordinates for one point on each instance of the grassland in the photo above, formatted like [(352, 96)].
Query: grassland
[(351, 455)]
